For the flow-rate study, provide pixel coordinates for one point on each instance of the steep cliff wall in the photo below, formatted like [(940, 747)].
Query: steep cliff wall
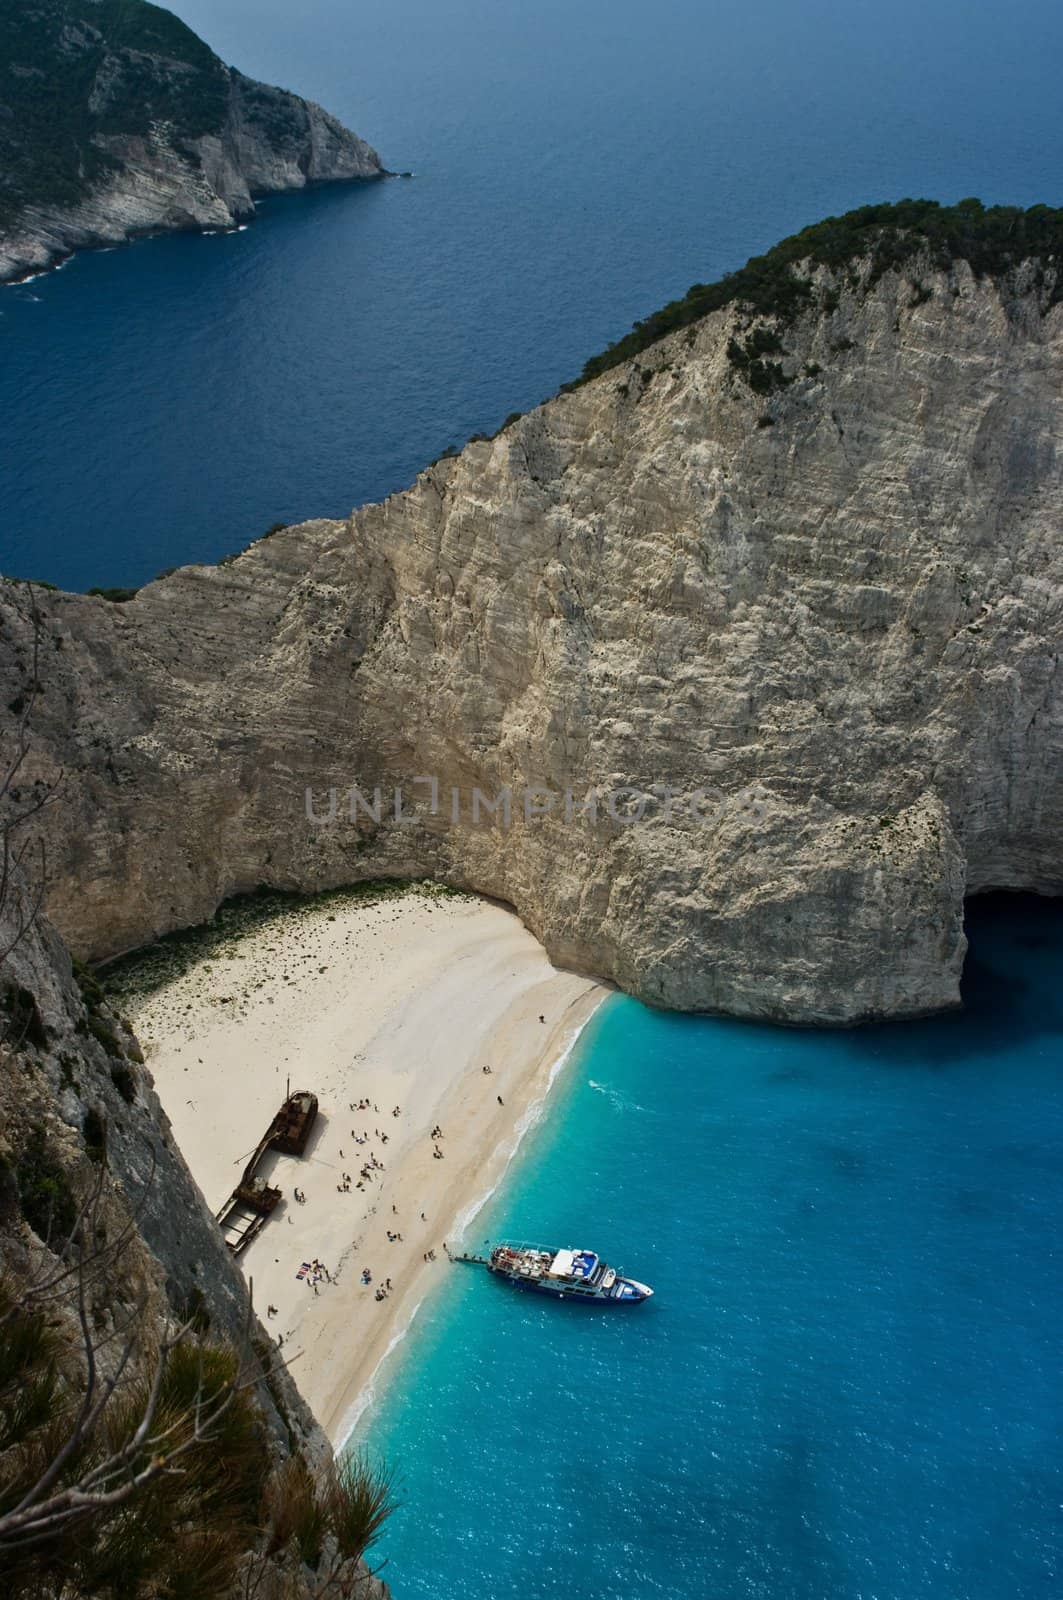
[(836, 604), (80, 1125), (116, 120)]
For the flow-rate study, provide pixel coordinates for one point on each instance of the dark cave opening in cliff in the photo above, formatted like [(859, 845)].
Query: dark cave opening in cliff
[(1007, 932)]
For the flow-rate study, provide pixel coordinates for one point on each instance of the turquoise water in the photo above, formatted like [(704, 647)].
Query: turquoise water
[(847, 1384), (578, 162)]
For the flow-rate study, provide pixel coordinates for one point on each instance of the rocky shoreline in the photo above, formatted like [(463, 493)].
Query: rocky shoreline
[(162, 192), (165, 137), (59, 248)]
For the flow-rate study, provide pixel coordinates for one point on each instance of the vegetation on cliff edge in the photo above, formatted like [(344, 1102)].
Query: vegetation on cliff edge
[(73, 72), (992, 240)]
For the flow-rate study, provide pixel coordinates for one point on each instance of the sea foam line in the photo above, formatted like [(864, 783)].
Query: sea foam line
[(367, 1396), (31, 277), (532, 1114)]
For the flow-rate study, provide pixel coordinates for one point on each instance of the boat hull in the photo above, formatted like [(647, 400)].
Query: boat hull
[(558, 1292)]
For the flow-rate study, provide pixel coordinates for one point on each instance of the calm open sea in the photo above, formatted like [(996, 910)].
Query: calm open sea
[(578, 163), (847, 1386)]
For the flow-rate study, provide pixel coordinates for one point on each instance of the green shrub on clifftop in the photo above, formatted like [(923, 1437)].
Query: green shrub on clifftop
[(992, 240)]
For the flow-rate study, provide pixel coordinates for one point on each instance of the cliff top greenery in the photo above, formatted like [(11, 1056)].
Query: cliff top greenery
[(73, 70), (992, 240)]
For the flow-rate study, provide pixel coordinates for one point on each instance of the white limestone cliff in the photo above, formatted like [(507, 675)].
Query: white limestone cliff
[(838, 607)]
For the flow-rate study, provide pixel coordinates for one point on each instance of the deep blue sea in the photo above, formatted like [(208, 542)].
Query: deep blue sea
[(578, 163), (847, 1386)]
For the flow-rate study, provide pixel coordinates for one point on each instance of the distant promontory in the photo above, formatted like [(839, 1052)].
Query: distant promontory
[(116, 120)]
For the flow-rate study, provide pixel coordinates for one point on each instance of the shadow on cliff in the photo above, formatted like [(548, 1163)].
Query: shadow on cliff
[(1011, 989)]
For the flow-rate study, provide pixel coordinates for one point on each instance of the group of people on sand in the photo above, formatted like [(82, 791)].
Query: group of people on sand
[(368, 1171), (315, 1271), (383, 1290), (363, 1138), (312, 1272)]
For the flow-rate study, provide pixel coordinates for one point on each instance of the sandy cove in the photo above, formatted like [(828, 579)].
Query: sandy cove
[(402, 1002)]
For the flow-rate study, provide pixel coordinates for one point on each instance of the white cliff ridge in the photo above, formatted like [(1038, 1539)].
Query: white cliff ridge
[(837, 606)]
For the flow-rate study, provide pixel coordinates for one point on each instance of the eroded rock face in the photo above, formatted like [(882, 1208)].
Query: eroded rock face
[(73, 1087), (162, 176), (837, 607)]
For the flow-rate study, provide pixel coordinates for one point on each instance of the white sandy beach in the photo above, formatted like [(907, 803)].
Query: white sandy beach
[(402, 1002)]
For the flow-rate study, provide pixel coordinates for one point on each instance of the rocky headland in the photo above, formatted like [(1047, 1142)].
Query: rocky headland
[(802, 553), (117, 121)]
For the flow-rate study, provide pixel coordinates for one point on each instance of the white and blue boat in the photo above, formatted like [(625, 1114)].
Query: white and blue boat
[(565, 1274)]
